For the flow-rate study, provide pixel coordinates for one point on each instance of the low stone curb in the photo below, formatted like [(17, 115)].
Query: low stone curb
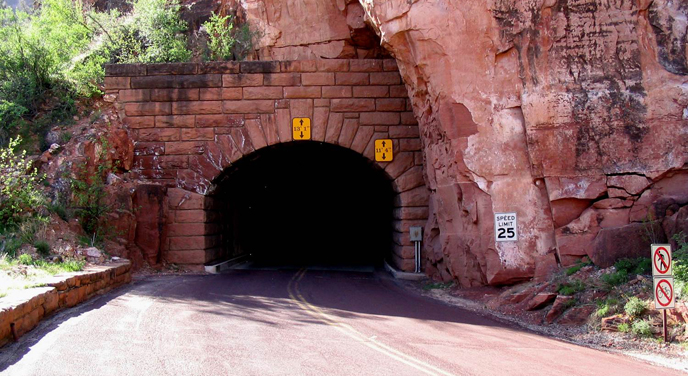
[(26, 308)]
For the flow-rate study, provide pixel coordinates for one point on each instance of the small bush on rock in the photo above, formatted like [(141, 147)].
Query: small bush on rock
[(640, 265), (635, 307), (642, 328), (25, 259), (43, 248), (617, 278)]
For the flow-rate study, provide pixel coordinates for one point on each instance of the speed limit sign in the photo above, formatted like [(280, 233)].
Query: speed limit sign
[(506, 229)]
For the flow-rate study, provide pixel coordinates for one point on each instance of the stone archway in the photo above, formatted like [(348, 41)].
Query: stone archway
[(191, 121)]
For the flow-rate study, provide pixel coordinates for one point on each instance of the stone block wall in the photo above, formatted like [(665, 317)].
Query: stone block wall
[(25, 309), (192, 121)]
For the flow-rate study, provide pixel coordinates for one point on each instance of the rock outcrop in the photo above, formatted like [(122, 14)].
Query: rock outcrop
[(571, 113), (309, 29)]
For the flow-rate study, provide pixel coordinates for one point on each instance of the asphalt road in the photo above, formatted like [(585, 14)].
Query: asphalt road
[(262, 322)]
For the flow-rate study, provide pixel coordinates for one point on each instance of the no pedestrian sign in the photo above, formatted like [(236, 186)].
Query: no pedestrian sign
[(661, 260), (301, 128), (506, 229), (664, 293)]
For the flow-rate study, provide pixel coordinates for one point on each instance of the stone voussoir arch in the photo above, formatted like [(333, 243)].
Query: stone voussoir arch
[(192, 121)]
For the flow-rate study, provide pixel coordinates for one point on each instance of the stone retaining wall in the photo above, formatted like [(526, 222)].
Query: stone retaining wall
[(26, 308)]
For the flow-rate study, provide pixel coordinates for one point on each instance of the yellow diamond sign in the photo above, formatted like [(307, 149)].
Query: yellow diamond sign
[(301, 128), (384, 152)]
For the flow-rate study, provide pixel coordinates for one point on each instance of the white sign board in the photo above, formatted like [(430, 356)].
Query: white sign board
[(661, 260), (664, 293), (505, 227), (416, 233)]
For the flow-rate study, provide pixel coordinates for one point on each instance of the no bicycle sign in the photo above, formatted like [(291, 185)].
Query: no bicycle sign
[(664, 293)]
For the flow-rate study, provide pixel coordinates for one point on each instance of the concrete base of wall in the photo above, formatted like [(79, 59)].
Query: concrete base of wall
[(404, 275), (24, 309)]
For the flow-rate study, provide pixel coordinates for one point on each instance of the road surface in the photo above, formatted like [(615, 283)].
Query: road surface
[(297, 322)]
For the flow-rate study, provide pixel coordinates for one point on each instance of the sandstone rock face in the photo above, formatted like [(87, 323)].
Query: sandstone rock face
[(308, 29), (572, 113)]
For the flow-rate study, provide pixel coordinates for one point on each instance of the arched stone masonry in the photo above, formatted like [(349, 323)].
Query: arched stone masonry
[(191, 121)]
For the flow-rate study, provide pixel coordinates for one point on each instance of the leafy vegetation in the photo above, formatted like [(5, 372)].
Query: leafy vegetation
[(438, 285), (616, 278), (640, 265), (89, 193), (641, 328), (19, 194), (56, 52), (607, 307), (571, 288), (680, 265), (635, 307), (220, 39), (43, 248)]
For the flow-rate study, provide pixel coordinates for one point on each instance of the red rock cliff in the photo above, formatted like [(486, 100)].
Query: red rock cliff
[(571, 113)]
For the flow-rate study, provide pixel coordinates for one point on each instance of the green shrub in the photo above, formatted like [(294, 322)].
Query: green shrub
[(60, 209), (607, 307), (635, 307), (243, 41), (571, 288), (438, 285), (574, 269), (220, 39), (640, 265), (603, 311), (617, 278), (43, 248), (642, 328), (60, 48), (88, 189), (19, 192), (624, 328), (152, 34), (680, 258), (10, 245), (72, 266), (25, 259)]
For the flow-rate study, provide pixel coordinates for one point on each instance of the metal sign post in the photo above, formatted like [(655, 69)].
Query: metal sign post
[(416, 236)]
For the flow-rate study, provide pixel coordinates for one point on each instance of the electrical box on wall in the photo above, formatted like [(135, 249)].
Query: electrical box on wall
[(416, 233)]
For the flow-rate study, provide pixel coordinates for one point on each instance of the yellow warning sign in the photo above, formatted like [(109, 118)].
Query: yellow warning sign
[(384, 152), (301, 128)]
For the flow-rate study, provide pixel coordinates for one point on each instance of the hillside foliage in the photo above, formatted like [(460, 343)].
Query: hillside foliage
[(58, 51)]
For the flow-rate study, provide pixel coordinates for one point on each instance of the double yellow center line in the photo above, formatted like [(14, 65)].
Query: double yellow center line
[(297, 297)]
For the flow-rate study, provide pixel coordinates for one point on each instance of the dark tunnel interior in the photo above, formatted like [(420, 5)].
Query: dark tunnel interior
[(308, 204)]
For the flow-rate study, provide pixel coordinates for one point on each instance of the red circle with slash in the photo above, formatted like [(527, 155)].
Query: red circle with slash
[(662, 260), (661, 294)]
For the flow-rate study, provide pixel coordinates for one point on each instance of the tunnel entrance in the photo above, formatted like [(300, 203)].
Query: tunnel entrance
[(308, 204)]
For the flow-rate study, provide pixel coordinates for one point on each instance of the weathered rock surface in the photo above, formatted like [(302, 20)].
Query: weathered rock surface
[(541, 300), (571, 113), (307, 29)]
